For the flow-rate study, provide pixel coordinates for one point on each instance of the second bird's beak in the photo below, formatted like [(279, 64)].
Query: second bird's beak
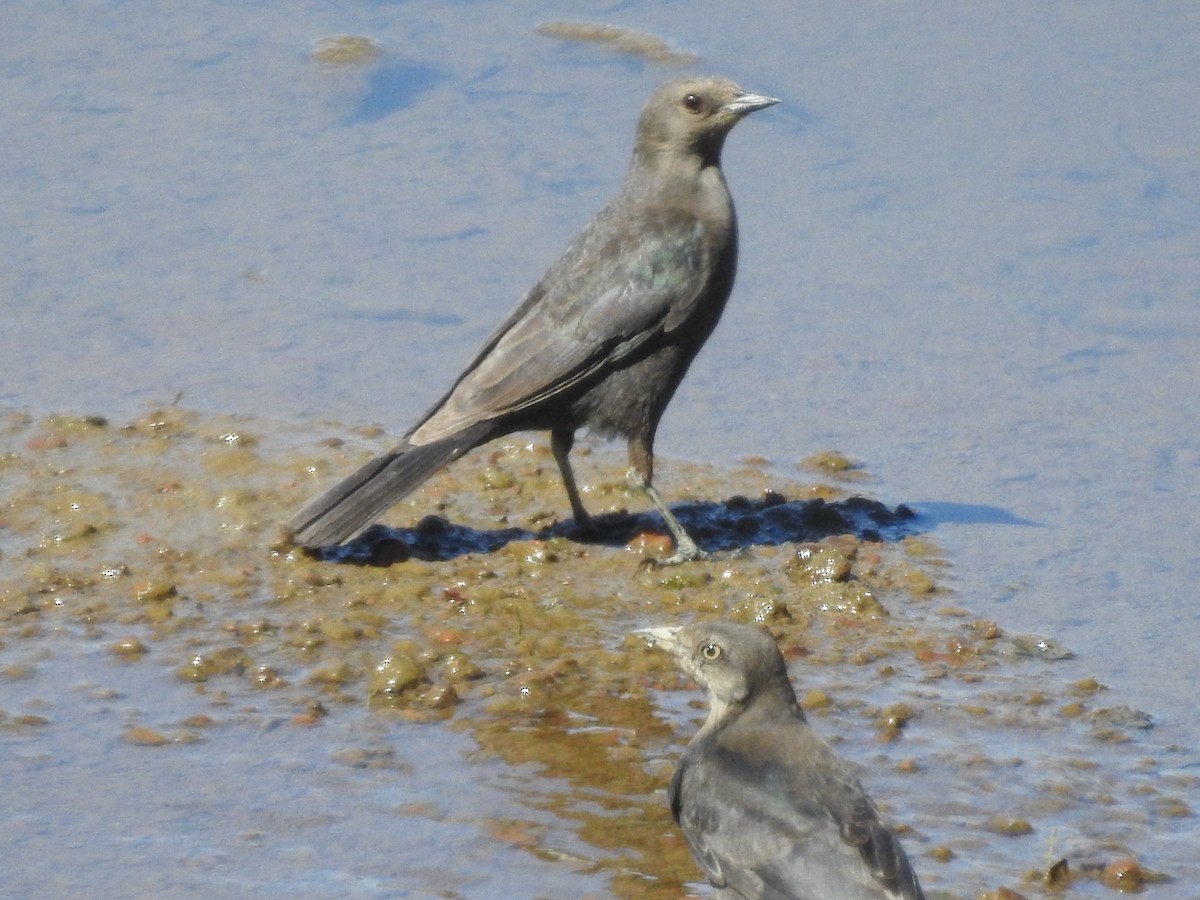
[(744, 103), (664, 637)]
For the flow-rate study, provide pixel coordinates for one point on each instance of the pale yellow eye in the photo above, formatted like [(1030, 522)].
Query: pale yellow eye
[(710, 652)]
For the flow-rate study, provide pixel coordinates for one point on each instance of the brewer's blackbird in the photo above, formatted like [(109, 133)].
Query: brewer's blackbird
[(768, 810), (603, 340)]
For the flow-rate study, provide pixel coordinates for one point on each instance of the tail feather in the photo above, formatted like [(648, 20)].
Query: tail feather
[(347, 508)]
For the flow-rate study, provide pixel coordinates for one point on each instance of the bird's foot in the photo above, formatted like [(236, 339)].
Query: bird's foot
[(685, 551), (679, 557)]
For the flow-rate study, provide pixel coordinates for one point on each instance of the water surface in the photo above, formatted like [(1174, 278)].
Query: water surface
[(968, 261)]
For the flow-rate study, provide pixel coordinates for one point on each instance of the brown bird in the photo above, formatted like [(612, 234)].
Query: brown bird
[(603, 340), (768, 810)]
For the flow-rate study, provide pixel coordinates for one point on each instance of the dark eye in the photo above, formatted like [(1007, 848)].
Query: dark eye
[(692, 103), (710, 652)]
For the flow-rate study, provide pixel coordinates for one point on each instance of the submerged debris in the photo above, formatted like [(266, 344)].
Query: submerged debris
[(622, 40), (345, 50)]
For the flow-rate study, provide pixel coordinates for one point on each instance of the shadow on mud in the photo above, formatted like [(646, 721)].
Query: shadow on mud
[(727, 526)]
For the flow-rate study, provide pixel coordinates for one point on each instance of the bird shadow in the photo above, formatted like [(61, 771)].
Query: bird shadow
[(725, 526)]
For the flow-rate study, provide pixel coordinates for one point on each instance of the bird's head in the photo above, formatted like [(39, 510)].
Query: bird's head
[(736, 664), (692, 116)]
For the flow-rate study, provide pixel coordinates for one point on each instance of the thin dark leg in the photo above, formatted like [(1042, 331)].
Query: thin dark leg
[(560, 445), (641, 471)]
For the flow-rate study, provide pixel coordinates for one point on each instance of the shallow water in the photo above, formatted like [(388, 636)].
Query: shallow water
[(188, 705), (968, 261)]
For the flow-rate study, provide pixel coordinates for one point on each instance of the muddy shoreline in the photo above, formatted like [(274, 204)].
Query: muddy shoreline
[(158, 542)]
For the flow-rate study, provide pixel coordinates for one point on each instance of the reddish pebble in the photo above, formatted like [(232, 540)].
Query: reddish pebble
[(1125, 875), (650, 542), (46, 442), (452, 636)]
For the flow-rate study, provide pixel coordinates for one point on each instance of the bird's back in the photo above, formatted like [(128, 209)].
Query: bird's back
[(772, 812), (607, 334)]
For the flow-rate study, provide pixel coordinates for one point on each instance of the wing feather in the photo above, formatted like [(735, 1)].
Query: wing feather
[(611, 292), (792, 827)]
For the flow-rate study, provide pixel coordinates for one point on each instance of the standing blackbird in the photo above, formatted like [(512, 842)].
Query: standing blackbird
[(603, 340), (768, 810)]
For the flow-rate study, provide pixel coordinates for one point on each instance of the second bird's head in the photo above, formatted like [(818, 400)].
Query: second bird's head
[(736, 664)]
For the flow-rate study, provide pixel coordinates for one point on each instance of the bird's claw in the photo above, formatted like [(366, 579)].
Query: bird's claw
[(682, 554)]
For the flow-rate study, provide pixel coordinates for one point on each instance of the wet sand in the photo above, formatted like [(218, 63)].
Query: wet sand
[(463, 705)]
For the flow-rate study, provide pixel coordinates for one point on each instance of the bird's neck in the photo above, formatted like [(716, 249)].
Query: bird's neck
[(685, 184), (770, 703), (666, 162)]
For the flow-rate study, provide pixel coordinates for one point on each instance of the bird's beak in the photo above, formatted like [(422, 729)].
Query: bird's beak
[(745, 103), (663, 636)]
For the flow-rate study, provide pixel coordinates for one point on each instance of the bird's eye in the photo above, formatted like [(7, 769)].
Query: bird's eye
[(710, 652), (692, 103)]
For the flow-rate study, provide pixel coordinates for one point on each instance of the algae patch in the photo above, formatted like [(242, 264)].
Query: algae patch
[(157, 543)]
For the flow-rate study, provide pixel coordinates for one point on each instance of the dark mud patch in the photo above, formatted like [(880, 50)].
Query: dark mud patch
[(723, 527)]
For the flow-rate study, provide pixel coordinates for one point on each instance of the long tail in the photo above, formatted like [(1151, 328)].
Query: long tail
[(352, 504)]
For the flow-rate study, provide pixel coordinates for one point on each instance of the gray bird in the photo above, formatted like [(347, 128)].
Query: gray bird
[(603, 340), (768, 810)]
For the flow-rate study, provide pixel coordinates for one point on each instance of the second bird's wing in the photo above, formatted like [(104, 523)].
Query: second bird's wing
[(614, 289), (743, 832), (777, 816)]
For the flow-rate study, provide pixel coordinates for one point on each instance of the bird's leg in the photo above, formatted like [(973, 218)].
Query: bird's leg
[(561, 441), (641, 471)]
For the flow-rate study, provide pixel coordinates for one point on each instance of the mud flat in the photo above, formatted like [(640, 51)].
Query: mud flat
[(151, 614)]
